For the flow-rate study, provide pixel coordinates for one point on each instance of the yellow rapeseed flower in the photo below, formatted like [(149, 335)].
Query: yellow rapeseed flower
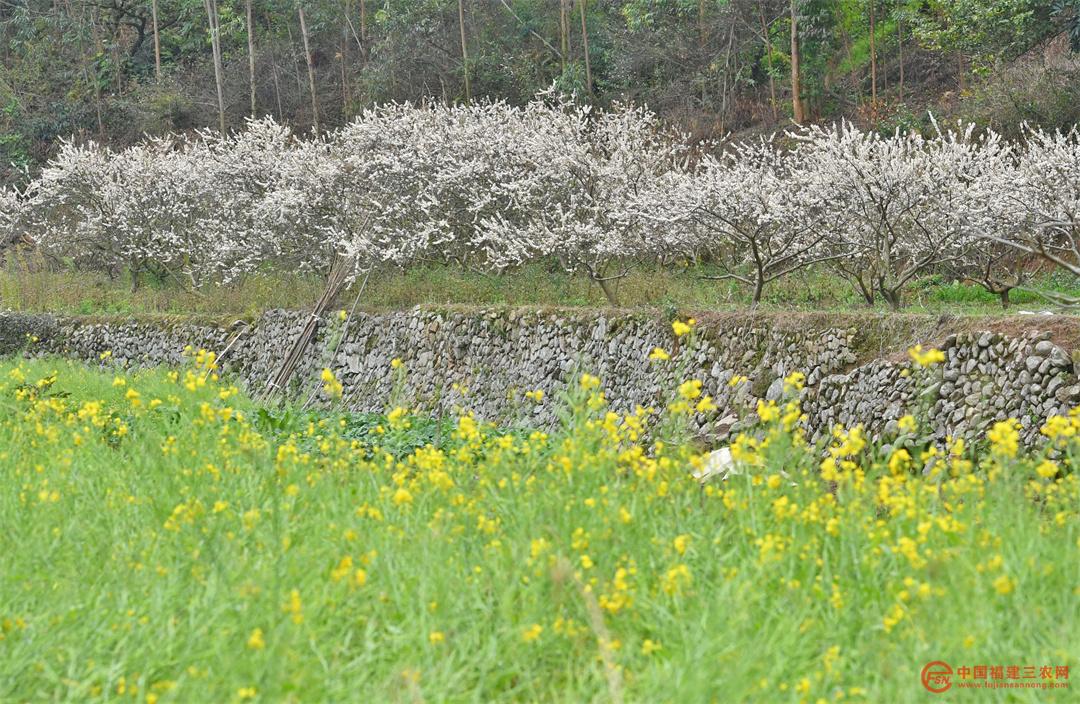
[(690, 389), (331, 386), (1047, 469), (398, 418), (255, 640), (532, 632), (648, 647), (294, 607), (767, 411), (705, 405), (681, 543), (925, 358), (1004, 585), (675, 579), (899, 460), (659, 355), (1004, 438), (680, 328)]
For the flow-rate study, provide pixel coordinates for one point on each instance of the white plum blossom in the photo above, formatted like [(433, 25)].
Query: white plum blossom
[(491, 186), (12, 212), (1041, 198), (749, 212)]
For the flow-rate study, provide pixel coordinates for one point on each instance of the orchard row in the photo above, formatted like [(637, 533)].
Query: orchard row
[(491, 186)]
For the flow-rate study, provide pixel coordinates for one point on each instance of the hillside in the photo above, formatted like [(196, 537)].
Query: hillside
[(115, 71)]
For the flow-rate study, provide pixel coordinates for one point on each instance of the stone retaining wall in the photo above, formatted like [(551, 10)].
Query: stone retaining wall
[(484, 360)]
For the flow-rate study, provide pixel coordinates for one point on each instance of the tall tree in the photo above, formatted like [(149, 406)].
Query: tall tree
[(343, 61), (564, 33), (100, 50), (464, 49), (766, 36), (157, 40), (310, 69), (363, 31), (797, 112), (251, 55), (215, 44), (585, 48), (873, 56), (900, 47)]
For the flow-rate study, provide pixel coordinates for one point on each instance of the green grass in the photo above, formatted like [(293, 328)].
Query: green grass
[(166, 541), (36, 289)]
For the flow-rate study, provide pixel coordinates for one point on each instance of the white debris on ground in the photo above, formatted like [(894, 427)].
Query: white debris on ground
[(718, 463)]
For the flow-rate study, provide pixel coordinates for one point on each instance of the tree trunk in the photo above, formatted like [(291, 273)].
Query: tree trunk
[(310, 69), (701, 26), (605, 286), (114, 49), (363, 31), (866, 291), (277, 84), (251, 56), (215, 43), (346, 97), (1003, 295), (585, 48), (464, 49), (759, 288), (564, 34), (295, 61), (900, 45), (157, 41), (796, 79), (768, 59), (873, 58), (892, 297), (724, 89), (97, 87)]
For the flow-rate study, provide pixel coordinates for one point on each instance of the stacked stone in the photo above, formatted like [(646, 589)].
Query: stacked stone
[(485, 360)]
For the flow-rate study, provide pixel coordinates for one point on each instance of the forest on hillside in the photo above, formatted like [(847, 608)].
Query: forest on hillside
[(115, 70)]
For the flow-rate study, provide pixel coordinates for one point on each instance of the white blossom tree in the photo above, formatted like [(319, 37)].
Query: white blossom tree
[(749, 212), (898, 200), (11, 218), (1042, 198), (490, 186), (617, 162)]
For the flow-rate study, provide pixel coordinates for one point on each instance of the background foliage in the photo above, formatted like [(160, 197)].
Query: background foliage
[(87, 67)]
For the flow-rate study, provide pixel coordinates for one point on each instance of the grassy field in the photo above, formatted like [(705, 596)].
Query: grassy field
[(537, 284), (167, 541)]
